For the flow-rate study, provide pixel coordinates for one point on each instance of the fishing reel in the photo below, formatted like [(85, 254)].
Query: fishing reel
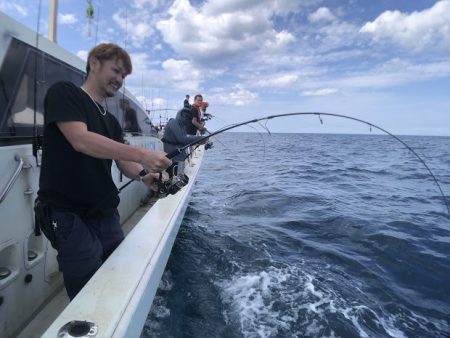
[(172, 186), (208, 145), (206, 117)]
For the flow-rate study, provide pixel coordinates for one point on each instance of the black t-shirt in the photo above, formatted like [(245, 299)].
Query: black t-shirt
[(190, 128), (71, 180)]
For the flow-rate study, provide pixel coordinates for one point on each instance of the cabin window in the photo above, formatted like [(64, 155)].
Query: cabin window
[(131, 116), (24, 72)]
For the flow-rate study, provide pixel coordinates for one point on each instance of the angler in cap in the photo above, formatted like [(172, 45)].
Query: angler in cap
[(77, 198), (175, 136)]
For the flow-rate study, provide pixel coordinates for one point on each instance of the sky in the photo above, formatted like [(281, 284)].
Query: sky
[(386, 61)]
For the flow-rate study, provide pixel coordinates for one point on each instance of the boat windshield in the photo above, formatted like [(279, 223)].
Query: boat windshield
[(25, 71)]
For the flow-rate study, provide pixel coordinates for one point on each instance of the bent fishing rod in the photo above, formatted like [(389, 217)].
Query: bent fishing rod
[(319, 114)]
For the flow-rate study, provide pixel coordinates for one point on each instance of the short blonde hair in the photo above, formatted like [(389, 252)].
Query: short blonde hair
[(110, 51)]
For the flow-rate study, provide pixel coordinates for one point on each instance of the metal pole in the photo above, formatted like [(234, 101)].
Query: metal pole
[(52, 19)]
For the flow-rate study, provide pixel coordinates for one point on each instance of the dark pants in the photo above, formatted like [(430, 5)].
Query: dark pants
[(83, 245)]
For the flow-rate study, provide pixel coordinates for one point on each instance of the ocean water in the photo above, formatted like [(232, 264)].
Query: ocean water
[(311, 235)]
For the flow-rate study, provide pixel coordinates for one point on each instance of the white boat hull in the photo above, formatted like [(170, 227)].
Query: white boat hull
[(119, 296)]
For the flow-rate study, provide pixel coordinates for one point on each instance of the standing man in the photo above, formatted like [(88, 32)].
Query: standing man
[(195, 123), (81, 139), (186, 103)]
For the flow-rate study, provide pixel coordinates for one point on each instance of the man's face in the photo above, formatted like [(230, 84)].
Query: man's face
[(109, 76), (198, 101)]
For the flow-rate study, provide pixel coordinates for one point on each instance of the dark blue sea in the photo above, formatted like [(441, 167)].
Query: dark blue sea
[(311, 235)]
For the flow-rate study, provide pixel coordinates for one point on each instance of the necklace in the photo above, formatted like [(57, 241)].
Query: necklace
[(101, 111)]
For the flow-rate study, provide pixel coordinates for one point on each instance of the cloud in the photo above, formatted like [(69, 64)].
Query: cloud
[(280, 39), (8, 6), (188, 76), (418, 31), (179, 69), (322, 14), (277, 81), (137, 31), (336, 35), (66, 19), (393, 73), (82, 54), (182, 74), (325, 32), (277, 7), (156, 103), (238, 96), (173, 74), (219, 32), (320, 92), (143, 4), (140, 62)]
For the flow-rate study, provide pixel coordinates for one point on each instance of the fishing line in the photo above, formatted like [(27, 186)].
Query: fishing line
[(255, 129), (216, 139), (220, 119), (265, 127), (319, 115), (261, 136)]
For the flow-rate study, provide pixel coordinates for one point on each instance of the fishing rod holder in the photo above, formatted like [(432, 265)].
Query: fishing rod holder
[(78, 328)]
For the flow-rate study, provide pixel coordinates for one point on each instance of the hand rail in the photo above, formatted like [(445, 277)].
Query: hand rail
[(13, 179)]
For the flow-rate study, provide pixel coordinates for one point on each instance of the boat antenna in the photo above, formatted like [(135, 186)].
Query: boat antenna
[(319, 115), (96, 22), (37, 140), (126, 27), (89, 16), (124, 85)]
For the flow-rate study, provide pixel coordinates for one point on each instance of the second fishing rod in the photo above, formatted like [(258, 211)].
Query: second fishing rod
[(319, 115)]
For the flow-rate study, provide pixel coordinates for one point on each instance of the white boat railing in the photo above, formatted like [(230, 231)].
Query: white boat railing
[(13, 178)]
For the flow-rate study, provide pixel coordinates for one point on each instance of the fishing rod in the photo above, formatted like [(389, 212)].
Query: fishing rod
[(161, 109), (318, 114)]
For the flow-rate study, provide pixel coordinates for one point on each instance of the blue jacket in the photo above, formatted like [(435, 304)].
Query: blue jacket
[(175, 135)]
